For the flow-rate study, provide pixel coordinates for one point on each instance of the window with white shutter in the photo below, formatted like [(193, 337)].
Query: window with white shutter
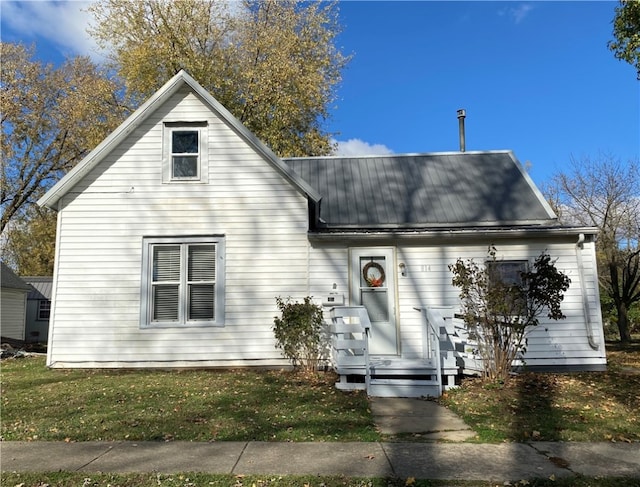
[(183, 282), (201, 282)]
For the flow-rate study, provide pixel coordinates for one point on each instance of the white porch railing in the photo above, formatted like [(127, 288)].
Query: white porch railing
[(431, 340), (350, 328), (387, 376), (437, 343)]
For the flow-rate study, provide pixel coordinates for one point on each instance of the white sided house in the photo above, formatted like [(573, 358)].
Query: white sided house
[(176, 234), (13, 305)]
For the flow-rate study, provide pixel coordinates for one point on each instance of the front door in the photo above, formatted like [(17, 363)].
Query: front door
[(373, 286)]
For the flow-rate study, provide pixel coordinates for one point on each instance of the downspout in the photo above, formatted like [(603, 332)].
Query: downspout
[(583, 290)]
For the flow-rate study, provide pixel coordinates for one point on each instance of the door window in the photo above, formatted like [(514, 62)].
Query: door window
[(373, 288)]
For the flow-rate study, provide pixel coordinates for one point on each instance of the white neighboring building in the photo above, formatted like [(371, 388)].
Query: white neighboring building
[(13, 304)]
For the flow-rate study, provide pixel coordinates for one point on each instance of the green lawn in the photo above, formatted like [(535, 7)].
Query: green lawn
[(240, 405), (243, 405), (199, 405), (590, 406)]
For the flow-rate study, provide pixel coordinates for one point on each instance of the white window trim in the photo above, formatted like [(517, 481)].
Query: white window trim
[(146, 287), (203, 151), (44, 305)]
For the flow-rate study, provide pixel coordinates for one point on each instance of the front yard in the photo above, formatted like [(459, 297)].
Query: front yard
[(590, 406), (199, 405), (244, 405)]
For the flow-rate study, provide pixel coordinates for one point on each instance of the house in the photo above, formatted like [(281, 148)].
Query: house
[(13, 305), (38, 308), (181, 228)]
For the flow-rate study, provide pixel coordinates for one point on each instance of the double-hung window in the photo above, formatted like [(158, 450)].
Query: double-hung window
[(507, 277), (185, 151), (507, 272), (44, 310), (183, 282)]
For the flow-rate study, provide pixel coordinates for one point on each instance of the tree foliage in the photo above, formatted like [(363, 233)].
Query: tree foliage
[(51, 118), (29, 247), (500, 313), (626, 33), (298, 331), (273, 64), (605, 193)]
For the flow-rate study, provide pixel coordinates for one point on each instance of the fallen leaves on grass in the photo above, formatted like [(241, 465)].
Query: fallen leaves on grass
[(590, 406)]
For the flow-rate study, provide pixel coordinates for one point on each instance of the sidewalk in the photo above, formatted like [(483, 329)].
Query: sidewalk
[(423, 420), (448, 461)]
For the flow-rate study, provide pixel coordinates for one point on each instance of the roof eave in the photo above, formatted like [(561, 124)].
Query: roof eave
[(525, 175), (254, 141), (547, 223), (51, 197), (458, 233)]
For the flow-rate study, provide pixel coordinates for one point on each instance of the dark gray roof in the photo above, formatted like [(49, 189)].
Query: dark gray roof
[(424, 190), (9, 279), (41, 287)]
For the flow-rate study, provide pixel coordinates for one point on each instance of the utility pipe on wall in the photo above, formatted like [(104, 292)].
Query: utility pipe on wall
[(583, 290), (462, 113)]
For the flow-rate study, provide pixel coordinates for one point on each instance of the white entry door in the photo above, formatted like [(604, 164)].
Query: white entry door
[(373, 286)]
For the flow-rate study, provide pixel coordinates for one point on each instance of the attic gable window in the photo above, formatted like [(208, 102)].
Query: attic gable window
[(183, 282), (185, 151), (184, 154)]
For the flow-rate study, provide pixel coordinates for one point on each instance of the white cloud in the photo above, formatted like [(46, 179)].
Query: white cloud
[(61, 23), (357, 147), (517, 13)]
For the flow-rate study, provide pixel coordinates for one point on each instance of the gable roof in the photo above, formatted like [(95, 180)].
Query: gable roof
[(181, 79), (41, 287), (8, 279), (457, 189)]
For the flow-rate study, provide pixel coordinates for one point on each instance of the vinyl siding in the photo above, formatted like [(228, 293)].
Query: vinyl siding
[(13, 303), (428, 283), (102, 223)]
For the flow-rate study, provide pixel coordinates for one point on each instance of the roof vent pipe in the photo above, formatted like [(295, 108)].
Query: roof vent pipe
[(461, 114)]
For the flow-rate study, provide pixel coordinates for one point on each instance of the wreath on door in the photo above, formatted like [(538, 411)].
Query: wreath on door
[(373, 274)]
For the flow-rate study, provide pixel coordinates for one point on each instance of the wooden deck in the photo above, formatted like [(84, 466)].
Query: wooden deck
[(384, 376)]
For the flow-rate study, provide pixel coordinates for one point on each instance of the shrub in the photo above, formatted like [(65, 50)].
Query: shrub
[(299, 331), (499, 313)]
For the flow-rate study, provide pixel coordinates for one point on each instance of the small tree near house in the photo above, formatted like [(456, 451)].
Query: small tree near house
[(502, 301), (299, 331)]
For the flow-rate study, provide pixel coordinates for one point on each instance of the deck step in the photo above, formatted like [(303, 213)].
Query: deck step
[(415, 369), (404, 388)]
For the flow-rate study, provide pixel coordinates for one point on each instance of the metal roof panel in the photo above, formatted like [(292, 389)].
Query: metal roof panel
[(463, 188)]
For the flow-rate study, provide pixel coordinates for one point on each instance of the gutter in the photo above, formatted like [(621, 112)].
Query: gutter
[(471, 233)]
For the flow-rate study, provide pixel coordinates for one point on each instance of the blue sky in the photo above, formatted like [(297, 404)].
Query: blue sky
[(534, 77)]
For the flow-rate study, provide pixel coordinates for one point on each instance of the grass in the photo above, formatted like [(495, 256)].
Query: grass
[(590, 406), (199, 405), (248, 405), (240, 405), (66, 479)]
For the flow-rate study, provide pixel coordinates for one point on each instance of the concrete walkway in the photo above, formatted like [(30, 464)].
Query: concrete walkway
[(461, 461), (423, 419)]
